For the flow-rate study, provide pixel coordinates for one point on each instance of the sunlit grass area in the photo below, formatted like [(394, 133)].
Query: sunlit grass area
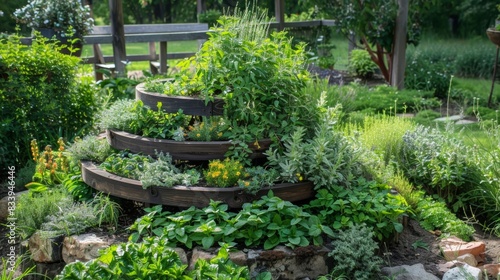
[(142, 48)]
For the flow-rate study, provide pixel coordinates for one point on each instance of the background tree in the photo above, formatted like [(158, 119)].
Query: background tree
[(374, 22)]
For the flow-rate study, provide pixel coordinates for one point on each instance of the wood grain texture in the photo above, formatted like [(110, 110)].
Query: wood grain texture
[(182, 196), (171, 104), (183, 150)]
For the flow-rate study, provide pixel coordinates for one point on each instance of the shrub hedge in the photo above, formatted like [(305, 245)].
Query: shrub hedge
[(41, 98)]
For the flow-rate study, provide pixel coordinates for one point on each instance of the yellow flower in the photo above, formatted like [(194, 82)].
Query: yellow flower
[(198, 135), (238, 173), (247, 183)]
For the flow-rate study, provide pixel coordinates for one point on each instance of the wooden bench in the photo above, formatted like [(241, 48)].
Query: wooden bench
[(144, 33)]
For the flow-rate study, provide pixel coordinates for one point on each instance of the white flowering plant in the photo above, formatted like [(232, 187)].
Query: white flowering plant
[(63, 16)]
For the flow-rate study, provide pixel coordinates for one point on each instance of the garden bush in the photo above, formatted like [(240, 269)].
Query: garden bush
[(41, 98), (428, 71), (441, 163), (361, 64)]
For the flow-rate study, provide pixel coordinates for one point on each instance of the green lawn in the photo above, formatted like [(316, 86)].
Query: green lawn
[(143, 48)]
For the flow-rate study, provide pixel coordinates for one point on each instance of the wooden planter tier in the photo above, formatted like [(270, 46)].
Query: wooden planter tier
[(184, 150), (182, 196), (171, 104)]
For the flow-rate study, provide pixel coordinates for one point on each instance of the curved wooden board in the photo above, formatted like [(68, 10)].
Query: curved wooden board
[(182, 196), (184, 150), (172, 104)]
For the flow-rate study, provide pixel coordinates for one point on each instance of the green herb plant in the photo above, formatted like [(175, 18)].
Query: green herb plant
[(268, 222), (32, 208), (354, 254), (163, 173), (361, 64), (366, 202), (152, 259), (126, 164), (434, 215)]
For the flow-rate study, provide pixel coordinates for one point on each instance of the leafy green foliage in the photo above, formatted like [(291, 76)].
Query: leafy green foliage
[(208, 129), (366, 203), (442, 164), (118, 87), (32, 209), (383, 134), (73, 218), (424, 72), (361, 64), (155, 124), (163, 173), (118, 116), (354, 254), (126, 164), (327, 159), (269, 221), (90, 147), (220, 267), (210, 16), (106, 210), (434, 215), (152, 259), (49, 101), (257, 178)]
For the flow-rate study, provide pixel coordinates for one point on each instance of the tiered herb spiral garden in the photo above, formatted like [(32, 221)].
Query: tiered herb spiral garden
[(233, 139)]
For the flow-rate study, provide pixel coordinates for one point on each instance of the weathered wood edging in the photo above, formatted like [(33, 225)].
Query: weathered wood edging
[(182, 196), (183, 150)]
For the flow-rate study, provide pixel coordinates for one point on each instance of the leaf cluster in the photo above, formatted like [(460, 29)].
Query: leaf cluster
[(90, 147), (268, 222), (41, 97), (32, 208), (326, 159), (443, 165), (126, 164), (354, 254), (366, 202), (152, 259), (434, 215), (163, 173), (361, 64)]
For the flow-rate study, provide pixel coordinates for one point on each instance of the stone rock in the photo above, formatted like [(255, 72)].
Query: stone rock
[(238, 258), (283, 263), (468, 259), (45, 249), (4, 205), (83, 247), (464, 272), (449, 118), (465, 122), (443, 267), (406, 272), (199, 254), (182, 255), (453, 247), (492, 269)]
